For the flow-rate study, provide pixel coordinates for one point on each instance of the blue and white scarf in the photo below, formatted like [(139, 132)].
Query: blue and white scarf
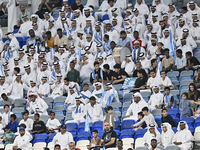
[(136, 25), (98, 54), (68, 15), (93, 74), (106, 46), (134, 54), (7, 54), (167, 100), (90, 30), (98, 37), (53, 75), (78, 109), (110, 98), (71, 30), (70, 55)]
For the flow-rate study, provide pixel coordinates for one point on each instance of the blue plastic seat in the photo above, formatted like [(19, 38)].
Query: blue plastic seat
[(116, 104), (38, 141), (25, 40), (158, 121), (15, 31), (173, 111), (20, 40), (159, 129), (20, 102), (145, 93), (174, 129), (138, 136), (126, 136), (105, 17), (71, 127), (173, 74), (197, 119), (142, 148), (58, 104), (98, 128), (117, 125), (129, 131), (185, 77), (84, 134), (41, 136), (196, 124), (98, 123), (146, 99), (124, 109), (188, 119), (81, 138), (126, 124), (51, 136), (60, 99), (4, 39), (80, 130), (127, 99)]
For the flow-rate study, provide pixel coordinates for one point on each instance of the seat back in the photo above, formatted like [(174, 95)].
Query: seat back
[(172, 147), (138, 142), (142, 148)]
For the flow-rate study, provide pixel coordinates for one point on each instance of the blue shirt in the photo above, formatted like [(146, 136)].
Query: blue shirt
[(13, 126), (123, 43), (185, 105), (71, 2)]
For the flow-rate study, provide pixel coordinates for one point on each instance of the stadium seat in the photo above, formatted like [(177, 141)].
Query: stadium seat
[(84, 134), (48, 100), (172, 147), (82, 144), (9, 147), (105, 17), (138, 142), (41, 136), (173, 111), (58, 104), (126, 104), (98, 128), (15, 31), (60, 107), (126, 136), (81, 138), (174, 92), (126, 124), (142, 148), (20, 40), (127, 99), (175, 83), (117, 125), (145, 93), (117, 113), (1, 146), (117, 86), (128, 95), (39, 146), (18, 110), (4, 39), (60, 99), (158, 121), (50, 145), (51, 136), (116, 104), (98, 123), (173, 74), (186, 73), (146, 99), (188, 119), (71, 127), (196, 124), (197, 119), (68, 117), (176, 121), (44, 118), (156, 111), (80, 130), (25, 39), (39, 141), (128, 131), (58, 112), (20, 102), (124, 109), (186, 82), (160, 147), (59, 117), (127, 142)]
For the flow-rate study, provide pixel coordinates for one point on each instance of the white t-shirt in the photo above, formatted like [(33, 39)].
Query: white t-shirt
[(52, 124)]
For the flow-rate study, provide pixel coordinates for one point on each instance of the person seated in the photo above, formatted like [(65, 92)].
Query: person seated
[(168, 61), (196, 79), (120, 75), (150, 81), (109, 137), (13, 123), (77, 110), (53, 124), (7, 101), (38, 125), (152, 133), (93, 110), (95, 141), (137, 49), (73, 74), (154, 65), (27, 121), (168, 98), (167, 134), (124, 40), (167, 118), (165, 81), (86, 94), (183, 137), (57, 87), (109, 96), (139, 67), (192, 62), (21, 141), (43, 7), (8, 136), (156, 99), (143, 125), (96, 74), (77, 5), (98, 91), (128, 64), (44, 88), (37, 104), (180, 62), (108, 75), (6, 115), (146, 64), (140, 82), (154, 144), (71, 96)]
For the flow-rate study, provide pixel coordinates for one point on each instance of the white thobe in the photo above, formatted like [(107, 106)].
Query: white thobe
[(147, 119), (156, 26), (53, 31), (107, 95), (35, 5), (22, 142), (5, 120), (195, 32), (152, 14), (155, 99), (165, 41), (40, 74), (185, 137), (29, 124), (44, 89), (77, 113), (24, 29), (149, 136), (141, 29), (152, 50), (39, 105), (185, 48), (86, 69), (142, 8), (8, 80), (26, 78), (166, 138), (179, 31), (166, 82), (95, 112), (161, 8), (57, 88), (4, 88), (189, 40), (88, 94), (135, 108), (113, 35), (150, 82), (129, 66), (146, 64), (16, 90), (26, 134), (12, 14), (88, 18), (63, 139), (71, 98), (14, 44)]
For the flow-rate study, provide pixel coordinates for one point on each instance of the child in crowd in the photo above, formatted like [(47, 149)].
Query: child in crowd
[(8, 136), (13, 124), (95, 141), (185, 106), (140, 117), (148, 118), (168, 98), (86, 94), (27, 121), (167, 118), (38, 125), (109, 117), (53, 125), (6, 115)]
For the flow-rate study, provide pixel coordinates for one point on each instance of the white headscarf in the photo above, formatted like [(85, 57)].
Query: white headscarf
[(137, 5), (161, 2), (186, 126), (196, 7), (137, 94), (169, 128)]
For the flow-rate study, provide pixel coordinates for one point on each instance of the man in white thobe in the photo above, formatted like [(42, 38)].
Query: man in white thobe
[(167, 134), (29, 75), (183, 137), (3, 86), (113, 34), (57, 87), (94, 110), (136, 107), (37, 104), (63, 138), (128, 64), (21, 141), (185, 47)]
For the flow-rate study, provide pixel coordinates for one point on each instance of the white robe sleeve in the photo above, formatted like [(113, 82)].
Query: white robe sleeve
[(44, 106)]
